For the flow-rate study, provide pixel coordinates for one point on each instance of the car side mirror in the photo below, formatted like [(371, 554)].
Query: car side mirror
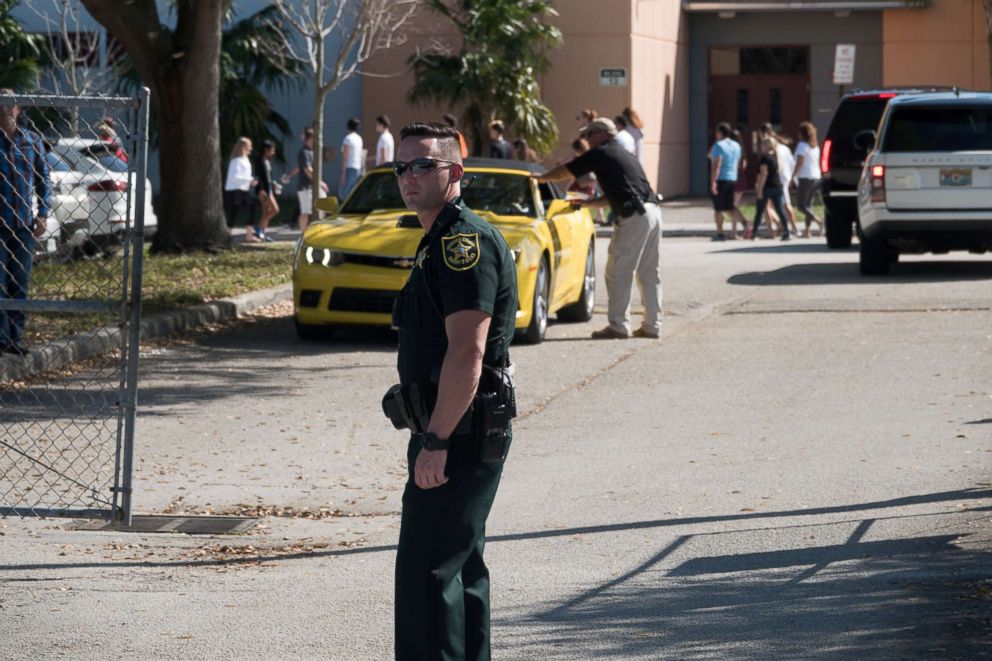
[(329, 204), (558, 207), (865, 140)]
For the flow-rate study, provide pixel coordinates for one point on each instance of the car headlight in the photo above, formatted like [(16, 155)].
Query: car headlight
[(322, 256)]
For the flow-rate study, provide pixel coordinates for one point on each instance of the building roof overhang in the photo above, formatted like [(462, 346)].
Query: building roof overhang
[(750, 6)]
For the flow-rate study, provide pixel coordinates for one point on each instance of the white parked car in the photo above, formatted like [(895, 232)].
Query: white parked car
[(927, 185), (89, 194)]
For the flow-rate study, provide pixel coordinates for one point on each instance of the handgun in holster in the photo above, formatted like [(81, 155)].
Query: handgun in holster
[(496, 406)]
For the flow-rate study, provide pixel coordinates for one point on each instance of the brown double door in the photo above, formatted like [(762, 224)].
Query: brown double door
[(745, 101)]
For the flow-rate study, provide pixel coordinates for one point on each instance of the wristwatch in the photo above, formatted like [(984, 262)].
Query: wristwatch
[(430, 441)]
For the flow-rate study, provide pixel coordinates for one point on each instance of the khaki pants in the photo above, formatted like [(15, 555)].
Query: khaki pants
[(635, 247)]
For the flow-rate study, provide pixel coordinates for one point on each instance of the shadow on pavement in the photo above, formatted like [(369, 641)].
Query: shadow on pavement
[(897, 599), (847, 274), (777, 247)]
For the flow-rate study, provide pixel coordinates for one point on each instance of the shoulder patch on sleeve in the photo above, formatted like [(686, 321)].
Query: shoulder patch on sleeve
[(461, 251)]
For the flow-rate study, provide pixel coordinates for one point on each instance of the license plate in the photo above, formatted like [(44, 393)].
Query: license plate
[(956, 177)]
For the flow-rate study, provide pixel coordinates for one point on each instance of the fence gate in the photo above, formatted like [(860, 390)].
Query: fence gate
[(69, 285)]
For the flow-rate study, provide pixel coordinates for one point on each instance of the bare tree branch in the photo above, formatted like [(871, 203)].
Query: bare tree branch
[(361, 28)]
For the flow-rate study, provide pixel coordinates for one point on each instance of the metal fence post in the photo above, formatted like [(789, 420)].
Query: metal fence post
[(134, 340)]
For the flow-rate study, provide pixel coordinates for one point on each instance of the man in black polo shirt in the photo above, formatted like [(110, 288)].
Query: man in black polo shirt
[(636, 241)]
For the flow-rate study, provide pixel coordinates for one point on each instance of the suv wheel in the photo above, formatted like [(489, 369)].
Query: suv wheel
[(838, 227), (874, 257)]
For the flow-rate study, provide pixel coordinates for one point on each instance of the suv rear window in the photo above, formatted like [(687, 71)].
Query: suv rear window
[(948, 128), (852, 116)]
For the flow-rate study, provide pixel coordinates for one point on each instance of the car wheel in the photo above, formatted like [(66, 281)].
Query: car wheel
[(534, 333), (582, 309), (839, 229), (310, 333), (874, 257)]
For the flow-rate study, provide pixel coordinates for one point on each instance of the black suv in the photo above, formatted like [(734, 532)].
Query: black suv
[(841, 159)]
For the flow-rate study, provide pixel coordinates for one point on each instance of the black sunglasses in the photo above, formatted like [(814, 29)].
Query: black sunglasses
[(417, 165)]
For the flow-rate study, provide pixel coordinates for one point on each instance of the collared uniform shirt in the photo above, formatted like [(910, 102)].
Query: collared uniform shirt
[(463, 263), (23, 179)]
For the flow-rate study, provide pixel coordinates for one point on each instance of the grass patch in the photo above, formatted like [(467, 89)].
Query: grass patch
[(169, 282)]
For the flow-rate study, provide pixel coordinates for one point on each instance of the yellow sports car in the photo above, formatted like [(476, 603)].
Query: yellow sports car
[(348, 269)]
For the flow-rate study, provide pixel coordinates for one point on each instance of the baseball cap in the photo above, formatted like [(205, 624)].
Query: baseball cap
[(604, 124)]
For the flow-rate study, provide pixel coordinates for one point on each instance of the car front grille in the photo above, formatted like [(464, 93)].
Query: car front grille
[(376, 260), (362, 300)]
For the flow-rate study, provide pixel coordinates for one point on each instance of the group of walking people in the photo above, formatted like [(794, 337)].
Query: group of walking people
[(778, 168)]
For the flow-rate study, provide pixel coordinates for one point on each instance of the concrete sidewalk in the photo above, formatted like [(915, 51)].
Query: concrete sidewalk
[(681, 218)]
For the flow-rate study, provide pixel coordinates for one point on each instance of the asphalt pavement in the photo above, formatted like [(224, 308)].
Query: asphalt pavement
[(798, 468)]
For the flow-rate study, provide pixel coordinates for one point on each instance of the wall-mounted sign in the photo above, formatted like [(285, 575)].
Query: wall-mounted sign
[(844, 64), (613, 77)]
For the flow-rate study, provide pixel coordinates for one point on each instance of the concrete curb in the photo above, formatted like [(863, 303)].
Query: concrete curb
[(63, 352)]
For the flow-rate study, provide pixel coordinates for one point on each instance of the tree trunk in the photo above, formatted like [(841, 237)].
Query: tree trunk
[(191, 179), (182, 69), (318, 128)]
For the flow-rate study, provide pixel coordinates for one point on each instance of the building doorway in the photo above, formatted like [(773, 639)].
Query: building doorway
[(751, 85)]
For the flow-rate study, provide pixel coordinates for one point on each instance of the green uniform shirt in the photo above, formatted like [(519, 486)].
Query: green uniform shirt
[(463, 263)]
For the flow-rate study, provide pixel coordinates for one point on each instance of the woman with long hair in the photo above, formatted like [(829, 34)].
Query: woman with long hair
[(266, 191), (808, 173), (237, 188), (786, 167), (768, 187)]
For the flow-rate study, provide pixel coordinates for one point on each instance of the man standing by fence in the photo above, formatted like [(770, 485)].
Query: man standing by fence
[(23, 180)]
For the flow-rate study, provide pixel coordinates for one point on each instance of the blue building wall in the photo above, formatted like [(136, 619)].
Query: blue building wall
[(296, 107)]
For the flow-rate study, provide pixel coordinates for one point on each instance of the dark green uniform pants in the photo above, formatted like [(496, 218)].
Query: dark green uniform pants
[(442, 583)]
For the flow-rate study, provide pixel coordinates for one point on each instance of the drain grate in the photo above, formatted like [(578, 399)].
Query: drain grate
[(189, 525)]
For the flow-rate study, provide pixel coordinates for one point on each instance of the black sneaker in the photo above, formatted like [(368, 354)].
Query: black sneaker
[(719, 236)]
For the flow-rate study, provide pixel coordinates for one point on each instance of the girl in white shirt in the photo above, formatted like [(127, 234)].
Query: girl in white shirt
[(636, 128), (808, 173), (237, 188)]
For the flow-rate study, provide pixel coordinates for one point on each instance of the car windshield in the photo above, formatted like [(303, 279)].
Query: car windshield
[(948, 128), (56, 163), (498, 193)]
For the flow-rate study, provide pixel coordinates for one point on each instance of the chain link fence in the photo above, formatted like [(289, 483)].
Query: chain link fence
[(75, 208)]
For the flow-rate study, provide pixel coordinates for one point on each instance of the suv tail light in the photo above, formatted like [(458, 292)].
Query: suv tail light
[(107, 186), (825, 157), (878, 183)]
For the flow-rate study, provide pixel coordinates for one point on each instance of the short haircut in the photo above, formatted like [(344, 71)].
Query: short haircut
[(308, 132), (450, 120), (447, 138), (354, 124), (498, 127), (267, 145), (383, 119), (723, 130), (620, 121)]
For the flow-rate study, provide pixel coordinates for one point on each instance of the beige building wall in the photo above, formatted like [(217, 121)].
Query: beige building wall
[(647, 39), (660, 91), (945, 44)]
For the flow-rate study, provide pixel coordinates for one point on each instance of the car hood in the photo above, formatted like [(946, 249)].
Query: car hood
[(391, 233)]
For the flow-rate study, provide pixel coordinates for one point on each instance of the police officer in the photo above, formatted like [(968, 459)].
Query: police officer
[(456, 319), (636, 242)]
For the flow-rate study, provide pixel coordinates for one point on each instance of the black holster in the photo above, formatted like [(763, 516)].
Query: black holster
[(487, 420)]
